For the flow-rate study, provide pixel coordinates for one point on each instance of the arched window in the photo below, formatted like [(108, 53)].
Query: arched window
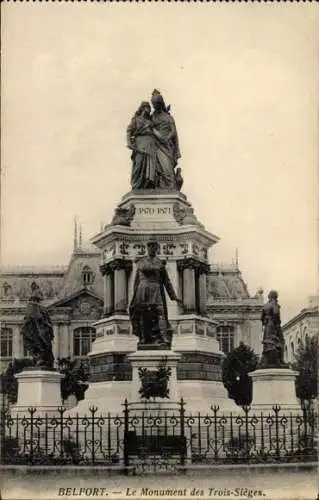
[(6, 343), (225, 337), (87, 276), (292, 349), (83, 338)]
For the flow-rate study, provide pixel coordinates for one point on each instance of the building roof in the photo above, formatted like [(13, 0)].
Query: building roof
[(56, 282), (311, 310), (224, 281)]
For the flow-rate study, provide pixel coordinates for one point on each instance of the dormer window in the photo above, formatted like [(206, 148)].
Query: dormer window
[(87, 276)]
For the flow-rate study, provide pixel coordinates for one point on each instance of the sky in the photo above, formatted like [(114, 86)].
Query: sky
[(242, 83)]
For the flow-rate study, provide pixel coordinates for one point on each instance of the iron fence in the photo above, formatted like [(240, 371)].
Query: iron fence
[(147, 437)]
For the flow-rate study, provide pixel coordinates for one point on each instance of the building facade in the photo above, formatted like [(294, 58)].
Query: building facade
[(302, 325), (74, 297)]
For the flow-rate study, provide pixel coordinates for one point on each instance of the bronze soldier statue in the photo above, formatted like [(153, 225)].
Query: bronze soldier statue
[(148, 308)]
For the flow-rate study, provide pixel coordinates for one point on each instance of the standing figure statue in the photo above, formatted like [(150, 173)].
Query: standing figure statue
[(37, 330), (273, 340), (154, 143), (148, 308)]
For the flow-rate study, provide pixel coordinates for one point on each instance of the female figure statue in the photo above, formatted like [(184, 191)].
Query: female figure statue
[(141, 140), (273, 340), (148, 309), (153, 140), (167, 142), (37, 330)]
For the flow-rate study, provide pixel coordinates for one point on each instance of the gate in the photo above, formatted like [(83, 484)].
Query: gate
[(154, 438)]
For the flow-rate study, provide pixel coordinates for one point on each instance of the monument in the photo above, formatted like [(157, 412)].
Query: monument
[(273, 381), (154, 260), (39, 386)]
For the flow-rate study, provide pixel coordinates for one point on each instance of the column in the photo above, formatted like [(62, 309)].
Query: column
[(108, 306), (120, 290), (203, 293), (189, 290), (17, 352), (172, 306), (56, 341), (131, 280), (116, 275), (65, 348), (238, 334)]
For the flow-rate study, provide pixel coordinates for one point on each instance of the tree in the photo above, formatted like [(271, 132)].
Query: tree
[(236, 366), (307, 367), (9, 384), (76, 374)]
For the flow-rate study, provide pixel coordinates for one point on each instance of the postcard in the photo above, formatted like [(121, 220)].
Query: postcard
[(159, 252)]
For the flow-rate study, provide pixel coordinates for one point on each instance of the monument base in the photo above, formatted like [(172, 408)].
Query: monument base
[(39, 389), (274, 387), (202, 396), (151, 360)]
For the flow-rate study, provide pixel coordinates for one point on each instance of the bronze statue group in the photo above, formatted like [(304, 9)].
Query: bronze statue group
[(153, 139)]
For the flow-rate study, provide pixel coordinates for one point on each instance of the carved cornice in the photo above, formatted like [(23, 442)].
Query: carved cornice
[(234, 308), (116, 264), (152, 193), (191, 263)]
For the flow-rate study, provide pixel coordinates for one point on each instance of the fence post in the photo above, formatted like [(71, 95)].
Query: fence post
[(247, 437), (276, 409), (93, 410), (215, 410), (126, 431), (61, 412), (32, 412), (182, 425)]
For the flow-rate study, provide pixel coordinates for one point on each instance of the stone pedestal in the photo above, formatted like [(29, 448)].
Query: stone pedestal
[(195, 359), (40, 389), (274, 387), (151, 359)]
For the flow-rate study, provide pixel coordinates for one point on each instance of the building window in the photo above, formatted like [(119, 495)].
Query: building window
[(87, 276), (225, 337), (6, 288), (6, 342), (286, 354), (83, 338)]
